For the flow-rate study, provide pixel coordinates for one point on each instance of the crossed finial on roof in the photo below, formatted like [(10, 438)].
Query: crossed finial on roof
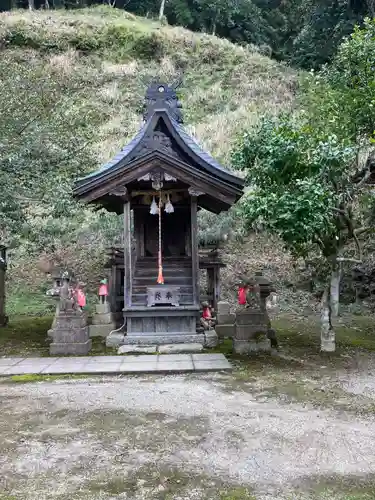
[(161, 96)]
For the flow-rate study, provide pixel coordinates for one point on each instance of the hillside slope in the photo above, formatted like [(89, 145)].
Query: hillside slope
[(225, 86), (114, 55)]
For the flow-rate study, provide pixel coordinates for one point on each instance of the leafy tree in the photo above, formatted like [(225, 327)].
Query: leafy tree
[(309, 172), (45, 139), (303, 190)]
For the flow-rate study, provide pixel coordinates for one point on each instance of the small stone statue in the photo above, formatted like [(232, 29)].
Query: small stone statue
[(66, 299), (248, 293), (103, 291), (207, 319), (80, 296)]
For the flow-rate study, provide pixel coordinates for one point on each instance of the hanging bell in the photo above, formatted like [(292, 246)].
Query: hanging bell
[(154, 209), (168, 206)]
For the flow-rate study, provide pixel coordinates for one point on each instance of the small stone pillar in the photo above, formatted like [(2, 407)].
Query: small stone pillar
[(54, 292), (210, 338), (225, 326), (102, 322), (251, 331), (70, 334)]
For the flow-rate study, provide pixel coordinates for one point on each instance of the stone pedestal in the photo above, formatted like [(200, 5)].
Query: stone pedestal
[(211, 338), (70, 334), (251, 331), (102, 322), (327, 345), (225, 327)]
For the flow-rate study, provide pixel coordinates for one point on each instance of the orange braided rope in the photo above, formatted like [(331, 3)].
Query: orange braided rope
[(160, 280)]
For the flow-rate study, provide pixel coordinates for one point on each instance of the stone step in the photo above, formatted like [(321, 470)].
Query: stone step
[(148, 363)]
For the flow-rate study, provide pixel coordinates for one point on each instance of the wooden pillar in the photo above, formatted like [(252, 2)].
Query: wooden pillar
[(210, 284), (113, 289), (194, 249), (127, 256), (216, 285)]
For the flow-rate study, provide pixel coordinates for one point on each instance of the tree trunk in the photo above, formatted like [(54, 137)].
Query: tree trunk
[(371, 7), (335, 289), (31, 5), (327, 340), (161, 11)]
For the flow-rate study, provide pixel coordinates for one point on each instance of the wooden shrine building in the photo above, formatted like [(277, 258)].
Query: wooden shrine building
[(158, 182)]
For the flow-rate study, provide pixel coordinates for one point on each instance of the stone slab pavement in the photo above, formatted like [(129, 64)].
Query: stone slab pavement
[(162, 363)]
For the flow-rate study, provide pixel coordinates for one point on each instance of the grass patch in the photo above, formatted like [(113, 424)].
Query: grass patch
[(238, 494), (25, 336), (301, 373), (338, 487), (301, 337)]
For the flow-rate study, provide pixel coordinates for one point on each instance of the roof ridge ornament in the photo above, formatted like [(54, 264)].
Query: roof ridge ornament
[(161, 96)]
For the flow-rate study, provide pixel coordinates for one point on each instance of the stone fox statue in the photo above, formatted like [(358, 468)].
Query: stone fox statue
[(68, 301)]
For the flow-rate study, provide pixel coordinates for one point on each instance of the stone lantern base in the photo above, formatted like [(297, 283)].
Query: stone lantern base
[(251, 332)]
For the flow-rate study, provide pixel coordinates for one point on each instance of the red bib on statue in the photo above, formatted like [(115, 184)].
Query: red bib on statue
[(242, 296)]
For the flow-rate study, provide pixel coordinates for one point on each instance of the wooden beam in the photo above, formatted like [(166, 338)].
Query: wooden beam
[(216, 273), (194, 250), (212, 186)]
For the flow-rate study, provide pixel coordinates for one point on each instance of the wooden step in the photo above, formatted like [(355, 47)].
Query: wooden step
[(143, 288), (171, 280)]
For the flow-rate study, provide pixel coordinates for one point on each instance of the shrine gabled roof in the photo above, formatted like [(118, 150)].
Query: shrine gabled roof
[(162, 117), (124, 156)]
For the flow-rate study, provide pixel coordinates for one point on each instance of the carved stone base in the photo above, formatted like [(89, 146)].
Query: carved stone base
[(225, 331), (211, 338), (75, 348), (115, 339), (251, 346), (170, 338), (70, 334), (102, 319), (328, 345), (103, 308), (101, 330)]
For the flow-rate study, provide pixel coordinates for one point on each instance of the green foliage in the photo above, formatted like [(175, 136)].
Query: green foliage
[(306, 33), (294, 174), (352, 73), (44, 141), (214, 229), (305, 169)]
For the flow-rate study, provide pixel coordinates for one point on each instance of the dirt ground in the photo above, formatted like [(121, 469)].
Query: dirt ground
[(280, 434)]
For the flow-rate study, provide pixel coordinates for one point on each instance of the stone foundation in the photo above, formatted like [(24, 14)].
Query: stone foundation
[(102, 321), (211, 338), (251, 330), (70, 334), (225, 327)]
